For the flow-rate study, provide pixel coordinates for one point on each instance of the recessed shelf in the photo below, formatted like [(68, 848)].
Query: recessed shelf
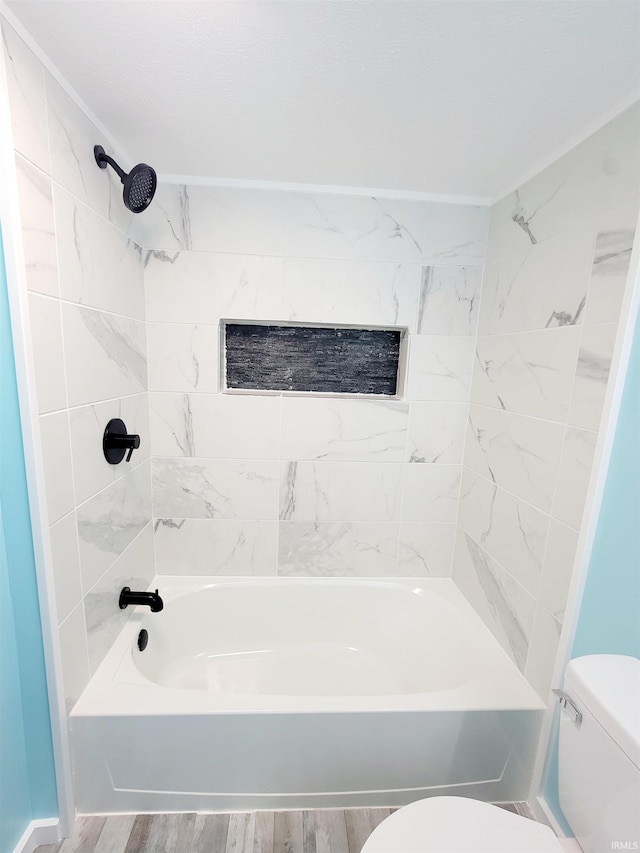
[(306, 358)]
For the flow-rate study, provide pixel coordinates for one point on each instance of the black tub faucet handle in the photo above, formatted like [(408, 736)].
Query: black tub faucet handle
[(116, 441)]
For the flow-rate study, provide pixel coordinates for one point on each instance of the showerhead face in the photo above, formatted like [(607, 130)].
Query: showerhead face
[(139, 185), (139, 188)]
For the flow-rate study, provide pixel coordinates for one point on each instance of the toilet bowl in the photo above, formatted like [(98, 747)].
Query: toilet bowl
[(459, 825), (599, 780)]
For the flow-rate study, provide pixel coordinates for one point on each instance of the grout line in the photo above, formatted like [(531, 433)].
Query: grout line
[(94, 403), (562, 423), (64, 301), (116, 480), (506, 571), (118, 558)]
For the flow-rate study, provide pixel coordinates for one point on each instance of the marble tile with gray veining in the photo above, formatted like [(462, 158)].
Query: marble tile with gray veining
[(48, 355), (25, 84), (540, 286), (105, 355), (354, 292), (236, 220), (543, 648), (614, 243), (601, 173), (212, 287), (354, 227), (507, 233), (74, 654), (430, 492), (455, 234), (104, 619), (66, 565), (99, 265), (574, 475), (229, 546), (215, 488), (511, 531), (166, 224), (215, 425), (91, 471), (111, 520), (503, 605), (337, 549), (183, 357), (517, 452), (440, 368), (214, 219), (340, 491), (558, 567), (72, 137), (436, 432), (38, 228), (56, 449), (425, 550), (347, 430), (530, 372), (449, 300), (592, 375)]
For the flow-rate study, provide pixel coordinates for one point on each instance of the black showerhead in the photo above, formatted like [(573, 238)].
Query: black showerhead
[(139, 184)]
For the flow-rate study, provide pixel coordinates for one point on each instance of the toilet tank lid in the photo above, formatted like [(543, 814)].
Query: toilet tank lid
[(608, 686)]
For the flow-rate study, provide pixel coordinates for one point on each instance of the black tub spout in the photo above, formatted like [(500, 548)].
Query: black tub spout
[(150, 599)]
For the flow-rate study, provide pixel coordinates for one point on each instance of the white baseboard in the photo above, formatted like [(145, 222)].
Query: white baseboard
[(45, 831)]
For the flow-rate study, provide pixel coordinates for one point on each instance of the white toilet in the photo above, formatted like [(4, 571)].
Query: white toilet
[(599, 780)]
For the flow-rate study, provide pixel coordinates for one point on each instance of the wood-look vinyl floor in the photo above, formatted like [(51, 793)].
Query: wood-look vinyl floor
[(315, 831), (320, 831)]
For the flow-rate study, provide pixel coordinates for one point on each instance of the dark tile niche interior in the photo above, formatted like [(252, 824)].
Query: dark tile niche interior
[(311, 358)]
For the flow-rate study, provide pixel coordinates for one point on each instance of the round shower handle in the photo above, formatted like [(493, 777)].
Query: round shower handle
[(116, 441)]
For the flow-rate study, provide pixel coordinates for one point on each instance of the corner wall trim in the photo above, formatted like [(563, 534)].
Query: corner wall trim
[(44, 831)]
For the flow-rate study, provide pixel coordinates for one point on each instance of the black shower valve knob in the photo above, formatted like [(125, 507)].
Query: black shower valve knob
[(116, 441)]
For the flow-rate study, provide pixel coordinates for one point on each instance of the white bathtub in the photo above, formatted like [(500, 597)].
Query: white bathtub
[(294, 693)]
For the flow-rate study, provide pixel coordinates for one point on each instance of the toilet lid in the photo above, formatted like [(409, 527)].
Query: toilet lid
[(459, 825)]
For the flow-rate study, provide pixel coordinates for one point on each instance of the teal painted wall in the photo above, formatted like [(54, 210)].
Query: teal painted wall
[(609, 621), (27, 774)]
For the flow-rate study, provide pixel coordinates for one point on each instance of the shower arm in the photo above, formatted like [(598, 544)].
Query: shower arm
[(102, 158)]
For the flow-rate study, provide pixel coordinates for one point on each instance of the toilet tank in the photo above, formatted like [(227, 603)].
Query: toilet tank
[(599, 762)]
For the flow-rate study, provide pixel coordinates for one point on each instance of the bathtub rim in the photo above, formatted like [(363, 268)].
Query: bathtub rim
[(118, 688)]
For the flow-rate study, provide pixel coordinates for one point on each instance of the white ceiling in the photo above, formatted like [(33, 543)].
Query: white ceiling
[(461, 97)]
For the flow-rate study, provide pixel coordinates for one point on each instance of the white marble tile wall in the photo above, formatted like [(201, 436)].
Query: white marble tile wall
[(298, 484), (557, 262), (84, 276), (262, 484)]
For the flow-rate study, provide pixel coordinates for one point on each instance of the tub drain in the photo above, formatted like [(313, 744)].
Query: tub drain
[(143, 639)]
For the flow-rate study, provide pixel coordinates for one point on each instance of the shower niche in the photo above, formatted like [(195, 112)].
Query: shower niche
[(307, 358)]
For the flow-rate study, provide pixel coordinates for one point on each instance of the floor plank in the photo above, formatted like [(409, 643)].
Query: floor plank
[(210, 833), (241, 832), (170, 833), (288, 833), (263, 836), (309, 831), (376, 816), (115, 834), (139, 834), (358, 828), (85, 837), (331, 831)]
